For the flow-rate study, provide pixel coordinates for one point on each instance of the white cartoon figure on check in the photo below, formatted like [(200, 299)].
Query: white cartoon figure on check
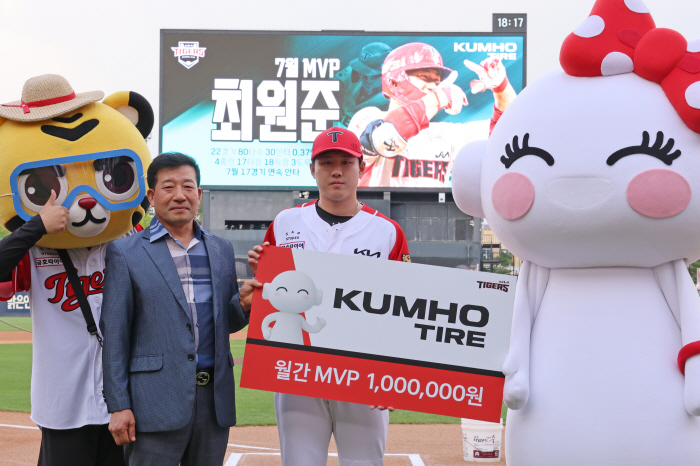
[(291, 293), (601, 199)]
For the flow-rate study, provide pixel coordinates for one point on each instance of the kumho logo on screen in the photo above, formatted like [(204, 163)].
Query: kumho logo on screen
[(500, 50)]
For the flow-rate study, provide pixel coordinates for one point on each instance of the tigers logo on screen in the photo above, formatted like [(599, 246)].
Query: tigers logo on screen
[(188, 53)]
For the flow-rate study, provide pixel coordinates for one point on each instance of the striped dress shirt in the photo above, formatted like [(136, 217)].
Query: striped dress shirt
[(192, 264)]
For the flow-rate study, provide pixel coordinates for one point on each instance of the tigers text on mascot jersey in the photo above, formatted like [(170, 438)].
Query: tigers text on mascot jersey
[(83, 161)]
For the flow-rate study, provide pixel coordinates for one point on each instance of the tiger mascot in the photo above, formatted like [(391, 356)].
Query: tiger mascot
[(72, 178)]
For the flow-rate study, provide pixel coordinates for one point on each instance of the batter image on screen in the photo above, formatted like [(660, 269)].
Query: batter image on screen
[(361, 81), (402, 147), (291, 293)]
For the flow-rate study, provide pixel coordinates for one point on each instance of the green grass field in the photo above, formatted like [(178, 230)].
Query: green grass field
[(24, 322), (15, 374), (254, 407)]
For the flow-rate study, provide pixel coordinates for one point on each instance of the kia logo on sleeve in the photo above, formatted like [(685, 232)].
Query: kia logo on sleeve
[(366, 252)]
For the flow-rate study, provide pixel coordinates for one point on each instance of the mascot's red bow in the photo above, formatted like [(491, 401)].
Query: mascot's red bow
[(620, 37)]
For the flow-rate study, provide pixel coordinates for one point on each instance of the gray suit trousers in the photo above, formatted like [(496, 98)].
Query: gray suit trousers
[(202, 442)]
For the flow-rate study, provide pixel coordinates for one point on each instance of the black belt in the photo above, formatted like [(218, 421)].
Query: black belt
[(204, 376)]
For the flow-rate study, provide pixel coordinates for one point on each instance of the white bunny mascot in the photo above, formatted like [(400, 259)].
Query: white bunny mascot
[(592, 176)]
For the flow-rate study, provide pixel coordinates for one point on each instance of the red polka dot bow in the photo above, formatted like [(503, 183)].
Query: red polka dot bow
[(620, 37)]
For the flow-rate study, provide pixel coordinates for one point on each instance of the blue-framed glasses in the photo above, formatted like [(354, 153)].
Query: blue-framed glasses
[(118, 176)]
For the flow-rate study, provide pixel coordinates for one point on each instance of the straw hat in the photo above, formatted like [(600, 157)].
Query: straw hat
[(45, 97)]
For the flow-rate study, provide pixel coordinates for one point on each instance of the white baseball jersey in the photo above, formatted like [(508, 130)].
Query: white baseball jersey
[(427, 159), (368, 233), (66, 359), (66, 389), (305, 424)]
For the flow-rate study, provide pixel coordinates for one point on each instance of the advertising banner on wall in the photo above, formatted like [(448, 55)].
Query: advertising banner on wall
[(431, 339), (18, 305), (248, 105)]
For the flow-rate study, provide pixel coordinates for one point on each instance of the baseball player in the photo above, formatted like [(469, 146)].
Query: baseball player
[(336, 223), (402, 147)]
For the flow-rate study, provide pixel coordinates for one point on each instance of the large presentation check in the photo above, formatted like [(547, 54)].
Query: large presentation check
[(378, 332)]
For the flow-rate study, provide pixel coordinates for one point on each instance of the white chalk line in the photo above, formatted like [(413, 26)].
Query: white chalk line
[(416, 460), (256, 448), (18, 427), (235, 458)]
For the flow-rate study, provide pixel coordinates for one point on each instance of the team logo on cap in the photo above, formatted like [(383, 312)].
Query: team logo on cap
[(334, 135), (188, 53)]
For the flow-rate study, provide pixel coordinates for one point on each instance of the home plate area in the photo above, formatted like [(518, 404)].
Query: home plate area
[(243, 459), (259, 446), (408, 444)]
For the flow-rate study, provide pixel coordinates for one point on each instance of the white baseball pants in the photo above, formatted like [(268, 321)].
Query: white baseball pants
[(305, 426)]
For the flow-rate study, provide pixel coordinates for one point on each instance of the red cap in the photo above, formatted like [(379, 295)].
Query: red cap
[(337, 138)]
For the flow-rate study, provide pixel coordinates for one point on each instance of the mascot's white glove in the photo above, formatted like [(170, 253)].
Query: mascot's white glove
[(492, 75), (528, 296), (691, 392), (516, 390), (682, 297), (451, 98)]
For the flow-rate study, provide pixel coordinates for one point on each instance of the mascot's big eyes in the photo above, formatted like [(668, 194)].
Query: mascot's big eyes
[(116, 178), (35, 186)]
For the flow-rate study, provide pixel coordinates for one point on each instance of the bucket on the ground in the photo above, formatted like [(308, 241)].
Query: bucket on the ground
[(482, 440)]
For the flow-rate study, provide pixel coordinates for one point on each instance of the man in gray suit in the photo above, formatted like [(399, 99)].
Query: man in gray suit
[(170, 301)]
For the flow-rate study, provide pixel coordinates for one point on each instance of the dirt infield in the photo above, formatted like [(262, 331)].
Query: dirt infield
[(408, 445), (15, 337), (26, 337)]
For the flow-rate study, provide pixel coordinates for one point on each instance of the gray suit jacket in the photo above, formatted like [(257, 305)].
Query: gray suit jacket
[(148, 355)]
